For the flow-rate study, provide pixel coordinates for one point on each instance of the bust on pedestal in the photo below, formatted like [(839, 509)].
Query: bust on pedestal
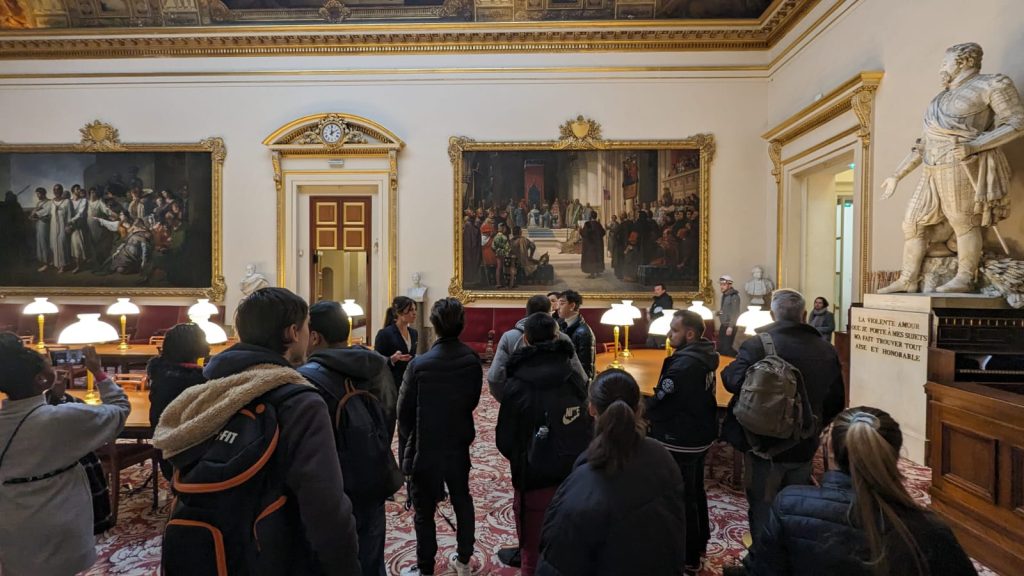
[(758, 287), (252, 281), (418, 294)]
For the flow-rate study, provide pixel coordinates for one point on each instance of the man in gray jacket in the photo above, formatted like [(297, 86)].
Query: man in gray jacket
[(513, 339), (728, 313)]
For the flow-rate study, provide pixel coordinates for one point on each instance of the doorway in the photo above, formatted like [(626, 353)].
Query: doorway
[(829, 236), (340, 266)]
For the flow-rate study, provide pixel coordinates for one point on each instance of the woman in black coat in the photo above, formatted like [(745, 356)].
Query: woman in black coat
[(397, 340), (174, 370), (621, 510), (861, 521)]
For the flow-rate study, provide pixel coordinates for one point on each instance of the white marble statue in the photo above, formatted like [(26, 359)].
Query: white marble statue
[(252, 281), (966, 178), (418, 290), (758, 287)]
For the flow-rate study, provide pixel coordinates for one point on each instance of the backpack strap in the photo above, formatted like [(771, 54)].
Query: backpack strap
[(15, 433), (350, 393), (768, 343)]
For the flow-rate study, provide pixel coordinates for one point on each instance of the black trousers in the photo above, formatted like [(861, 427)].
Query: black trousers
[(371, 526), (695, 498), (764, 479), (427, 490), (725, 342)]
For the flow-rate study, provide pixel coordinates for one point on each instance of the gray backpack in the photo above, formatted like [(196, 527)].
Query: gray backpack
[(772, 406)]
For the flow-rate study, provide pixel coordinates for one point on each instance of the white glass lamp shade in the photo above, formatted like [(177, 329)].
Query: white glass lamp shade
[(351, 308), (617, 315), (634, 312), (123, 306), (753, 319), (40, 306), (203, 309), (88, 330), (699, 307), (661, 324), (214, 333)]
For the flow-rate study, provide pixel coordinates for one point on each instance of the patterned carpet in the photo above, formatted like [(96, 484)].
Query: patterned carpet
[(132, 548)]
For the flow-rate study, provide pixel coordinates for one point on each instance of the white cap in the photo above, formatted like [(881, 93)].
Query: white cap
[(725, 278)]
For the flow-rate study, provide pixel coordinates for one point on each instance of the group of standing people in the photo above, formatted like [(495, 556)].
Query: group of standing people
[(664, 236)]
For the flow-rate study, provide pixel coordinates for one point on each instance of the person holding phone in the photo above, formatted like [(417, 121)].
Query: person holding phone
[(45, 500), (397, 340)]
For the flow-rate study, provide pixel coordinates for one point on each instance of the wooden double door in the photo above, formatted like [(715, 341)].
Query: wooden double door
[(340, 244)]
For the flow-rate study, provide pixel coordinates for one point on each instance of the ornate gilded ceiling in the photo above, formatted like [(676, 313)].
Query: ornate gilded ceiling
[(22, 14)]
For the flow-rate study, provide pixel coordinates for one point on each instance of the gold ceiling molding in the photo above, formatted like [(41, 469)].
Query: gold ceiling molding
[(404, 38)]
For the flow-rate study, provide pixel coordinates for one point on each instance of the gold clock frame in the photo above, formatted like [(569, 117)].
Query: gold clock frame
[(582, 134)]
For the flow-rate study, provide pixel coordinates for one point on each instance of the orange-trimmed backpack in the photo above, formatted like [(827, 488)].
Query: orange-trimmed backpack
[(229, 514)]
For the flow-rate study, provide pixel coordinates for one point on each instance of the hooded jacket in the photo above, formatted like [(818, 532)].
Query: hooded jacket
[(583, 340), (305, 452), (510, 342), (167, 380), (368, 370), (532, 370), (684, 410), (729, 311)]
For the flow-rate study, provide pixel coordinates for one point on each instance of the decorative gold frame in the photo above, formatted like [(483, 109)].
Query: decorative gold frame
[(584, 134), (363, 137), (99, 137)]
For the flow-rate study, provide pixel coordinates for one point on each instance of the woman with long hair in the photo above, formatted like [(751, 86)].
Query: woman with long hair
[(822, 318), (45, 497), (621, 510), (861, 520), (174, 370), (397, 340)]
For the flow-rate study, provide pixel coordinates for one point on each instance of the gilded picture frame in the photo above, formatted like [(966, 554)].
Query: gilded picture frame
[(107, 234), (540, 186)]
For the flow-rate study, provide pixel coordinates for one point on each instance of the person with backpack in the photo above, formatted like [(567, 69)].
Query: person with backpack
[(256, 476), (440, 390), (512, 340), (45, 498), (362, 400), (787, 364), (860, 521), (621, 511), (572, 324), (543, 426), (684, 418)]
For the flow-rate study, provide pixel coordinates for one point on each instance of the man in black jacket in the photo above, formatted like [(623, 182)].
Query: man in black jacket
[(684, 417), (274, 332), (331, 363), (435, 429), (573, 324), (800, 345), (543, 367), (662, 301)]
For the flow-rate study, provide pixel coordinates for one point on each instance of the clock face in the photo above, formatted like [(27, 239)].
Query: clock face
[(331, 133)]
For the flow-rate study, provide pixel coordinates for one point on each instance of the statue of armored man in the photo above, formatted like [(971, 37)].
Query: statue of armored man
[(966, 177)]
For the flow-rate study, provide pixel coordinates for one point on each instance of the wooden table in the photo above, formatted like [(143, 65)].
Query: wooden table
[(111, 355), (138, 425), (645, 365)]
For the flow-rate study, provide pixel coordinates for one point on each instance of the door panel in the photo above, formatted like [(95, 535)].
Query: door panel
[(340, 227)]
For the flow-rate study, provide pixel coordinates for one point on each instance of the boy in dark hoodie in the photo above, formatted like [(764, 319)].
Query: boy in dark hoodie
[(684, 417), (543, 365), (331, 362), (274, 332)]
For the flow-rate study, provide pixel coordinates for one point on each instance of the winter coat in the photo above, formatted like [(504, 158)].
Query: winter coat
[(824, 322), (305, 452), (684, 410), (368, 371), (659, 305), (809, 533), (47, 523), (435, 405), (167, 380), (730, 309), (510, 342), (583, 340), (632, 521), (800, 345), (532, 370)]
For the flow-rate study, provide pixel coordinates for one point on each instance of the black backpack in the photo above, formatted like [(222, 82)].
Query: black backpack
[(229, 516), (563, 430), (361, 433)]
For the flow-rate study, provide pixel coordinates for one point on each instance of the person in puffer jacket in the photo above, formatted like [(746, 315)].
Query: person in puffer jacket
[(684, 417), (621, 511)]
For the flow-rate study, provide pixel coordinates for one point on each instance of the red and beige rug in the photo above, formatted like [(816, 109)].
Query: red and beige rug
[(132, 548)]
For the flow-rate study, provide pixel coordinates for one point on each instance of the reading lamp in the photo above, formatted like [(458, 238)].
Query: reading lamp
[(200, 313), (123, 306), (88, 330), (40, 306), (635, 314), (753, 319), (616, 316), (661, 327), (351, 310)]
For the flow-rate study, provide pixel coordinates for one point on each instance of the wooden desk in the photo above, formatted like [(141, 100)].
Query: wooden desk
[(138, 425), (111, 355)]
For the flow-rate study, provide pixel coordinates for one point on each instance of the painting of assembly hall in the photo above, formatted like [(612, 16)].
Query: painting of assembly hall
[(597, 221), (22, 14), (83, 220)]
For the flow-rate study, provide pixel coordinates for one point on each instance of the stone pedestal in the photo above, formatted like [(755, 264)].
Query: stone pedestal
[(889, 344)]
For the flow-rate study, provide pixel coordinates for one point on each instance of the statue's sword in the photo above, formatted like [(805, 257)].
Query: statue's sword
[(994, 226)]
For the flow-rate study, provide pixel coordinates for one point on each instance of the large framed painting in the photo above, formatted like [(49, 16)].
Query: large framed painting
[(106, 218), (607, 218)]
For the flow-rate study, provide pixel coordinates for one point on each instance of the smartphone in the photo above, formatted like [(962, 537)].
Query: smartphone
[(67, 357)]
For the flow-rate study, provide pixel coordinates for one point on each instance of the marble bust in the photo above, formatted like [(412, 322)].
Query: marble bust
[(252, 281), (418, 290), (758, 287)]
